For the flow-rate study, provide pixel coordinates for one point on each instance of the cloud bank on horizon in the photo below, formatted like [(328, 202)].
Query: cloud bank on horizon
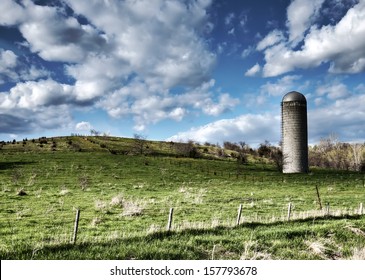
[(178, 70)]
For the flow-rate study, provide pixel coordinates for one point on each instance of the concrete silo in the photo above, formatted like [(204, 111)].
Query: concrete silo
[(294, 133)]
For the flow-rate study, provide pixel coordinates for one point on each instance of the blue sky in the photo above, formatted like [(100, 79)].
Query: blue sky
[(203, 70)]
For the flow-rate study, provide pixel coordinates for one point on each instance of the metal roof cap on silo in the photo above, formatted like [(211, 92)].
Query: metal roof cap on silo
[(294, 96)]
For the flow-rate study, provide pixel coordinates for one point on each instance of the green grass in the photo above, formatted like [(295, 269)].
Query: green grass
[(124, 203)]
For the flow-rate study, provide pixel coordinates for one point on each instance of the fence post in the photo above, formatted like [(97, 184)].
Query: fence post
[(319, 198), (361, 209), (76, 226), (327, 209), (289, 210), (169, 223), (239, 215)]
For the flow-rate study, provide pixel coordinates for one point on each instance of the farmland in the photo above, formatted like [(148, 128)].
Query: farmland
[(125, 197)]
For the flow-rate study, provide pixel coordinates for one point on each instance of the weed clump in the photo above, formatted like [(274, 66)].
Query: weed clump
[(21, 192), (96, 221), (130, 207)]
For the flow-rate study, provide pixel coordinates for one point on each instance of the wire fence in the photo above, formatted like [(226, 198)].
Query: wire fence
[(70, 226)]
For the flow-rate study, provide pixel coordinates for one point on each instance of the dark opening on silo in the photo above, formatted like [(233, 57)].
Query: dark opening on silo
[(294, 133)]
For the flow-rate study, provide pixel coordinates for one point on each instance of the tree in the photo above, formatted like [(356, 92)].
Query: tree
[(277, 157), (264, 149), (139, 143), (357, 156), (187, 149), (94, 132)]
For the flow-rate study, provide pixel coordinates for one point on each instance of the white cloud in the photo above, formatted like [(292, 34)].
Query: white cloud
[(246, 52), (318, 101), (50, 33), (24, 120), (33, 95), (8, 61), (13, 136), (224, 104), (334, 90), (14, 69), (229, 18), (31, 106), (125, 57), (342, 45), (273, 38), (231, 31), (149, 106), (345, 117), (253, 129), (301, 14), (12, 13), (282, 86), (83, 126), (276, 88), (159, 39), (253, 71), (159, 44)]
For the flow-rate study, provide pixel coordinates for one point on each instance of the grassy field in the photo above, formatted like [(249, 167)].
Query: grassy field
[(124, 202)]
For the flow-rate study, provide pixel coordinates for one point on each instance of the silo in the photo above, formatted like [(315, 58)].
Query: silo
[(294, 133)]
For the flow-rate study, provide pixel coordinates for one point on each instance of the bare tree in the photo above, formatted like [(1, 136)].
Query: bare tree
[(357, 156), (94, 132)]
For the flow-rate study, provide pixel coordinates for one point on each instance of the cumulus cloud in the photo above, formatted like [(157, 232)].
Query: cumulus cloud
[(345, 117), (125, 57), (24, 121), (253, 129), (341, 45), (13, 124), (8, 61), (224, 104), (32, 95), (333, 90), (158, 39), (275, 88), (50, 33), (83, 126), (14, 69), (35, 105), (281, 86), (301, 14), (149, 106), (14, 12)]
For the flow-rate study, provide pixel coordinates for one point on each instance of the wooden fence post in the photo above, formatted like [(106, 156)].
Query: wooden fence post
[(319, 198), (289, 210), (74, 237), (169, 223), (239, 215)]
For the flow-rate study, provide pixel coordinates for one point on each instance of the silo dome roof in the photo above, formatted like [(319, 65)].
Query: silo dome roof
[(294, 96)]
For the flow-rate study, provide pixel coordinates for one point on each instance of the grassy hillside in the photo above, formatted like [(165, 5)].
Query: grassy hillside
[(107, 144), (124, 193)]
